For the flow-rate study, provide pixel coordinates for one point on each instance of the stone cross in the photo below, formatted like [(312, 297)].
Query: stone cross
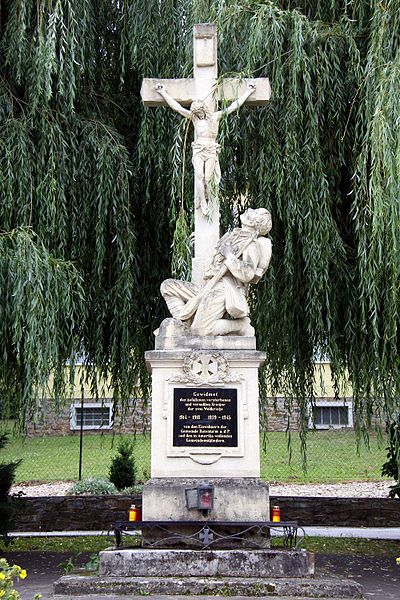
[(206, 536), (205, 366), (181, 93)]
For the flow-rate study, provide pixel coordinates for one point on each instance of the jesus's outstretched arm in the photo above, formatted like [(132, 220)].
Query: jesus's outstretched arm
[(160, 88), (238, 103)]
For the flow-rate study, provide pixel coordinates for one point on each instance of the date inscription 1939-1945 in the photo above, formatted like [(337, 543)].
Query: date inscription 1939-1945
[(205, 417)]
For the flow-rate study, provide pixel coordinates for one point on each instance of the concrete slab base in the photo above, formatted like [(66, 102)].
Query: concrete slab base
[(296, 588), (138, 562)]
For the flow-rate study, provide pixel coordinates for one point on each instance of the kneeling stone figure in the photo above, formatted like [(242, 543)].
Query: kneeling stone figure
[(220, 306)]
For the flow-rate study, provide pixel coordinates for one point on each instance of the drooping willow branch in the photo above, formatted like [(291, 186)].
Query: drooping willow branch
[(98, 178)]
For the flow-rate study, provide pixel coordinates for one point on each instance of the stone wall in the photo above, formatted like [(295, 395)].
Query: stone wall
[(340, 512), (72, 513), (274, 416), (55, 421)]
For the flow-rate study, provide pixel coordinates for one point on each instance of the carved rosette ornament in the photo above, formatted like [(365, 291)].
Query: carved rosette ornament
[(205, 368)]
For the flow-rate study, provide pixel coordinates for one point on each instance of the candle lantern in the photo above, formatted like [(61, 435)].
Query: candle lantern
[(134, 514), (205, 494), (276, 514), (201, 497)]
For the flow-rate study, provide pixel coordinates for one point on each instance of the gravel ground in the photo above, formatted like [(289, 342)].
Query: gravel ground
[(355, 489)]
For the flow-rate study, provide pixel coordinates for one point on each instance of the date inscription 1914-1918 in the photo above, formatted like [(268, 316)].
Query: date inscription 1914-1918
[(205, 417)]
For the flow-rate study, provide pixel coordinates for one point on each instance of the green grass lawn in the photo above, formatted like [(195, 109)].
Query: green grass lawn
[(57, 458), (331, 456), (322, 545)]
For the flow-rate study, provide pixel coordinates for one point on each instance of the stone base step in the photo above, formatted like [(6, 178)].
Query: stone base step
[(139, 562), (295, 588)]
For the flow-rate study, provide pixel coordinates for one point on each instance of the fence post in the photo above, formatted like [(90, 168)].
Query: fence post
[(81, 429)]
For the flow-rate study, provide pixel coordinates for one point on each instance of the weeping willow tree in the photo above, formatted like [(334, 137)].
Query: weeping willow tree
[(95, 189)]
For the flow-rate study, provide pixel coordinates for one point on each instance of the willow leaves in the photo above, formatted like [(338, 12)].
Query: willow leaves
[(99, 179)]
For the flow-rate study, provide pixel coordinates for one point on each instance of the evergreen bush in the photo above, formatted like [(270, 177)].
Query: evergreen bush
[(123, 469), (7, 475), (391, 467)]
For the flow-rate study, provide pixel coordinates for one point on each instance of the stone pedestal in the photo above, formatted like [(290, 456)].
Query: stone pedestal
[(205, 419), (205, 427)]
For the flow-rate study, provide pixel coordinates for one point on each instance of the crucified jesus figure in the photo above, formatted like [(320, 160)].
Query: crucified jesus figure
[(205, 146)]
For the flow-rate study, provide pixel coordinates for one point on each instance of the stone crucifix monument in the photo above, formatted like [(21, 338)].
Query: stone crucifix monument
[(205, 417), (205, 508)]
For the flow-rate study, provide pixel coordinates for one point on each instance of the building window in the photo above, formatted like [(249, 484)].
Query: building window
[(331, 414), (95, 415)]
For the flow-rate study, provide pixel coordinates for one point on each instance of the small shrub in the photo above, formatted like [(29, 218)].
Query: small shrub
[(69, 565), (123, 469), (132, 490), (96, 486), (93, 563)]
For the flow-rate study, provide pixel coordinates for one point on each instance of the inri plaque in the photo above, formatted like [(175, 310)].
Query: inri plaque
[(205, 417)]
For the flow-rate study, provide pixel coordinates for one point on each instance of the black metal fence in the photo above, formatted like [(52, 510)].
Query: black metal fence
[(332, 456)]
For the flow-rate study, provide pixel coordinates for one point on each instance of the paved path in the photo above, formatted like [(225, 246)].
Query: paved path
[(379, 575)]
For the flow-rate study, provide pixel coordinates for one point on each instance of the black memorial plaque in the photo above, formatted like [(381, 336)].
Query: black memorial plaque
[(205, 417)]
